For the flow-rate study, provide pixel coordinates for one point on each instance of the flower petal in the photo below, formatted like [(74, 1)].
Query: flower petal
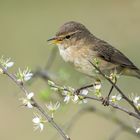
[(28, 76), (75, 99), (29, 105), (10, 64), (66, 99), (30, 95), (138, 130), (84, 92), (119, 97), (57, 105), (36, 120), (41, 126)]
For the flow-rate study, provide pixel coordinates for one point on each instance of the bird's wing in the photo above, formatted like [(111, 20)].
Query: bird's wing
[(110, 54)]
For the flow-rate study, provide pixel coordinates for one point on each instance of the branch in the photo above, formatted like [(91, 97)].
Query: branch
[(116, 106), (117, 88), (39, 108)]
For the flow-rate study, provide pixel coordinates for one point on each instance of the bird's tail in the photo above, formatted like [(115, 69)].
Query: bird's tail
[(132, 72)]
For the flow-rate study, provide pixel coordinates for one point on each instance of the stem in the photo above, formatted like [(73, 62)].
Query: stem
[(39, 108)]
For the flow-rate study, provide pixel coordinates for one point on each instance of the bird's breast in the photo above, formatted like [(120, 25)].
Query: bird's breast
[(67, 53), (80, 59)]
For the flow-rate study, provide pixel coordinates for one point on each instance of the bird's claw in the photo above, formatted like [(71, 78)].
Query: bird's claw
[(105, 101)]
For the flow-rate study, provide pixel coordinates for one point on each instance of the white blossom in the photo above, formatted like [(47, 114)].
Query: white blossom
[(67, 98), (138, 130), (79, 98), (24, 75), (97, 86), (38, 122), (53, 107), (114, 76), (27, 101), (1, 71), (82, 99), (84, 92), (68, 95), (6, 63), (138, 106), (136, 99), (115, 98), (75, 98), (51, 83)]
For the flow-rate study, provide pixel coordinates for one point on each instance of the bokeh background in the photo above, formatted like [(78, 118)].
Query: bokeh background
[(24, 28)]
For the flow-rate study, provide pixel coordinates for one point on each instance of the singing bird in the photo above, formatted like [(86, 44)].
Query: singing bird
[(79, 46)]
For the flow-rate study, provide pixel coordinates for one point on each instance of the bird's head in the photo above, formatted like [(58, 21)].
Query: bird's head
[(70, 34)]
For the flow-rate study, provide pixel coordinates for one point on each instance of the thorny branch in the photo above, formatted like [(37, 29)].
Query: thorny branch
[(39, 108)]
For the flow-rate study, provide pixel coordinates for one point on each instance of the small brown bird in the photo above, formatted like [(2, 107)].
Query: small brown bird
[(78, 46)]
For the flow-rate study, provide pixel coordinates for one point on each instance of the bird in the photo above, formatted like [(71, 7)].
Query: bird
[(78, 46)]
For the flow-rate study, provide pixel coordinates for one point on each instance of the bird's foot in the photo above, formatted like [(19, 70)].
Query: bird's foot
[(106, 101)]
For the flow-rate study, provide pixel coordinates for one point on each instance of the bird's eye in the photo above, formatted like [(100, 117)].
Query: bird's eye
[(67, 37)]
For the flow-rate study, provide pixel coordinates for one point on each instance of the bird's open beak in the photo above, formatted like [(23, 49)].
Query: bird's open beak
[(54, 40)]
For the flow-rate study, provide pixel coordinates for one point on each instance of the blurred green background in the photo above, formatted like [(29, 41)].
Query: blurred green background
[(24, 28)]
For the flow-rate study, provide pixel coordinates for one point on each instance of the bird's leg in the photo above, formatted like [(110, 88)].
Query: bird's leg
[(106, 99)]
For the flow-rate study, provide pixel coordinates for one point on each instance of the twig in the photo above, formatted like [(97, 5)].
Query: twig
[(114, 106), (25, 91), (117, 88), (77, 91), (110, 103), (112, 87)]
